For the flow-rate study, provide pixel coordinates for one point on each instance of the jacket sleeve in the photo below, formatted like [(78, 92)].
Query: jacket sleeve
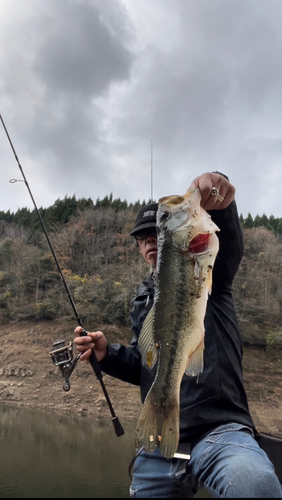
[(125, 362), (231, 246)]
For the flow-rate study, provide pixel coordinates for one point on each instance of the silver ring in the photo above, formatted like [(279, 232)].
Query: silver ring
[(215, 192)]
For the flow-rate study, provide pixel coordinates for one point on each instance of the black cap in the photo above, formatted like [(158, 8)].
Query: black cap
[(146, 218)]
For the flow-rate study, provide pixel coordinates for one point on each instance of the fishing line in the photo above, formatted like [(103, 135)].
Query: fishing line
[(93, 360)]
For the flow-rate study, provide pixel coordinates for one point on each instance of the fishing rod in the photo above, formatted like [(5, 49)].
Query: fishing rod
[(62, 354)]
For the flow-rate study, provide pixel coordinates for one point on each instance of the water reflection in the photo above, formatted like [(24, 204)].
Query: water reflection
[(49, 456)]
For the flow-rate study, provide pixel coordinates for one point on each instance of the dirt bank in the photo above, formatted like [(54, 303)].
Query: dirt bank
[(29, 378)]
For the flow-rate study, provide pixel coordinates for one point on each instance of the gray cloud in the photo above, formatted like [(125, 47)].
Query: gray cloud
[(86, 85), (80, 54)]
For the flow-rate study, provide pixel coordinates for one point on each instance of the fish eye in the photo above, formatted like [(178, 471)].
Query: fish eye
[(164, 217)]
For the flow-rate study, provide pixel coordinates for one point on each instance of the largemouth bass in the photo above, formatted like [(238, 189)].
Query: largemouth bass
[(173, 332)]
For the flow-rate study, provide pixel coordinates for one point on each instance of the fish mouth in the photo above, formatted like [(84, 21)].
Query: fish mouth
[(200, 243)]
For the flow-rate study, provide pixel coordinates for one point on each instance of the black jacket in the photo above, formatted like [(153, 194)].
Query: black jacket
[(217, 396)]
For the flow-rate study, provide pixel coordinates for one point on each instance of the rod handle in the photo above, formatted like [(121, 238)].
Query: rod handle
[(93, 360), (98, 372), (118, 427)]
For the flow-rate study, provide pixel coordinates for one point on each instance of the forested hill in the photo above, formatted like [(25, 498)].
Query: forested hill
[(62, 210), (103, 268)]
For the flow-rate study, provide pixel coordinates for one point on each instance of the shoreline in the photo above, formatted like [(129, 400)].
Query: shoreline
[(29, 378)]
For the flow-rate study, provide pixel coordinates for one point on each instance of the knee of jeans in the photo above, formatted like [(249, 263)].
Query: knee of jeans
[(245, 477), (257, 484)]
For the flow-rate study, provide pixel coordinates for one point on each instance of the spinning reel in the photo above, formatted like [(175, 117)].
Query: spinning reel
[(62, 356)]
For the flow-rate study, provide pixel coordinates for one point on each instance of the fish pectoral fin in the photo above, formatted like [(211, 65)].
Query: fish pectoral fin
[(198, 279), (146, 342), (196, 361), (209, 280)]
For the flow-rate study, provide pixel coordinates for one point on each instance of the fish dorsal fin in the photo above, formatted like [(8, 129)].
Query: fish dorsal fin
[(146, 341), (196, 361)]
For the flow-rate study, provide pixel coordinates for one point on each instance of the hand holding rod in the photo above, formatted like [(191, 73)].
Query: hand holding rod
[(93, 360)]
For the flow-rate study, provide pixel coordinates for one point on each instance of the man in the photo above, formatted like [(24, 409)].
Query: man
[(215, 422)]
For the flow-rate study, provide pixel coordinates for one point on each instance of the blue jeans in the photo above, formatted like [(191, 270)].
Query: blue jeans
[(228, 463)]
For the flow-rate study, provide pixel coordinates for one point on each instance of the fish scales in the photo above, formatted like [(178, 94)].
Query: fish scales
[(177, 314), (173, 332)]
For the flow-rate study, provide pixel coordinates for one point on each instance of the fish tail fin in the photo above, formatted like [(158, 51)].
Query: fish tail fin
[(147, 426), (169, 433), (158, 427)]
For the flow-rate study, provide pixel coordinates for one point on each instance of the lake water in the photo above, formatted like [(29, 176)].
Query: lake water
[(45, 455)]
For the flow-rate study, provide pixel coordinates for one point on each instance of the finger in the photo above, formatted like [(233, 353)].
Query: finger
[(86, 355), (78, 330), (221, 201), (229, 197), (193, 184), (213, 198), (227, 192), (206, 199), (204, 183), (212, 202), (95, 336), (81, 341)]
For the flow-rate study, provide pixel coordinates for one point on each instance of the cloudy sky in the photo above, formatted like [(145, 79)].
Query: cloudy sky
[(97, 94)]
